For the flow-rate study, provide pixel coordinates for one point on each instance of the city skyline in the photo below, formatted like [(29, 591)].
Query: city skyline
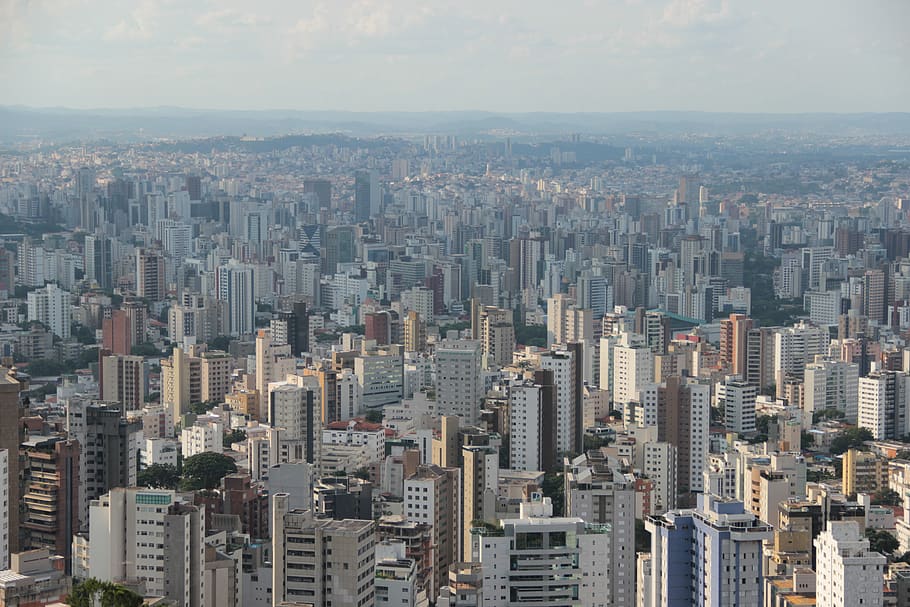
[(702, 55)]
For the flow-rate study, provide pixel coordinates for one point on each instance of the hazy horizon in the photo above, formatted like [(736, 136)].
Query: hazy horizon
[(621, 56)]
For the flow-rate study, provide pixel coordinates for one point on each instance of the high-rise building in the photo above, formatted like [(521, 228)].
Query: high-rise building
[(292, 328), (683, 415), (294, 411), (11, 436), (795, 347), (734, 335), (480, 480), (338, 568), (150, 280), (415, 333), (511, 559), (633, 367), (147, 535), (831, 384), (366, 195), (691, 553), (51, 306), (847, 573), (273, 364), (532, 420), (459, 379), (322, 188), (99, 261), (599, 492), (736, 399), (123, 380), (108, 446), (431, 498), (884, 397), (234, 286), (563, 364), (875, 305), (4, 509), (496, 333), (50, 495)]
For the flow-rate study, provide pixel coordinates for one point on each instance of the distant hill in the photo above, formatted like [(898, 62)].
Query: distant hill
[(65, 125)]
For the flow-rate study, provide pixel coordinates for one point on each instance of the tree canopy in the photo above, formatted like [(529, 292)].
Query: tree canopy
[(159, 476), (93, 592), (851, 438), (205, 470)]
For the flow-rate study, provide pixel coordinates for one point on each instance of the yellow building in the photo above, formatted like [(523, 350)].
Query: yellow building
[(864, 473)]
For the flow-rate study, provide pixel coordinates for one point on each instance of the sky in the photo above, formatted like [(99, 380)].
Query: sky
[(432, 55)]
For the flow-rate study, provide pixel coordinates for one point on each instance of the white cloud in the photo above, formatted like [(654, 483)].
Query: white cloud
[(687, 13)]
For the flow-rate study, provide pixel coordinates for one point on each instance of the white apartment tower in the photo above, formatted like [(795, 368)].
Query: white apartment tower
[(736, 399), (633, 367), (51, 307), (459, 379), (847, 573), (149, 536)]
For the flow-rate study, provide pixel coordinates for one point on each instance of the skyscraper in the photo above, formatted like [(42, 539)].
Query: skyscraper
[(99, 261), (366, 195), (150, 281), (459, 380), (234, 285), (12, 433)]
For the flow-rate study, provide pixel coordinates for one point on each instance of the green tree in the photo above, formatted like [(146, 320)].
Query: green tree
[(83, 334), (850, 438), (202, 408), (145, 349), (806, 442), (94, 593), (762, 422), (205, 470), (159, 476), (222, 342), (45, 367), (881, 541), (554, 488), (886, 498), (374, 416), (642, 537), (234, 436), (596, 442)]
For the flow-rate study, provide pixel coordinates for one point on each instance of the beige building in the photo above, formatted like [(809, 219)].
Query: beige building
[(123, 380), (321, 561)]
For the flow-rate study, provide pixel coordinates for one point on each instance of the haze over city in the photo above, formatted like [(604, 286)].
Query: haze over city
[(406, 55)]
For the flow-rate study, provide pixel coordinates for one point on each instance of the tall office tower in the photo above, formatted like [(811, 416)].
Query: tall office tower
[(479, 482), (736, 399), (813, 261), (795, 347), (831, 384), (4, 509), (109, 447), (50, 495), (415, 333), (7, 271), (117, 336), (459, 379), (734, 336), (593, 294), (366, 195), (322, 188), (292, 328), (686, 566), (431, 497), (760, 357), (532, 420), (234, 286), (11, 436), (557, 309), (564, 365), (875, 303), (511, 559), (884, 397), (691, 258), (496, 333), (689, 189), (123, 380), (294, 411), (847, 572), (194, 187), (598, 492), (338, 568), (151, 536), (378, 327), (176, 238), (380, 375), (150, 281), (683, 416), (273, 363), (197, 316), (179, 374), (340, 247), (99, 262), (633, 367), (51, 306)]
